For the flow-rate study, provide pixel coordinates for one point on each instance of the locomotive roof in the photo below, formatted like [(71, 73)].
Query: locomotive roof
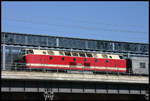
[(70, 53)]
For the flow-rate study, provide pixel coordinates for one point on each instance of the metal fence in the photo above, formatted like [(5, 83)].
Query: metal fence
[(22, 67)]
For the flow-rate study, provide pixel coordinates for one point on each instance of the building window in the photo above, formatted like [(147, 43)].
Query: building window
[(142, 65)]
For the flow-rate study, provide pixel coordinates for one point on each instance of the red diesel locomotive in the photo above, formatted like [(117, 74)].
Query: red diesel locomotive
[(69, 60)]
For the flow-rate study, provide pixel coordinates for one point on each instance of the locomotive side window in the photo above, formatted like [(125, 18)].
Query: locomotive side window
[(110, 56), (50, 52), (61, 53), (44, 52), (74, 53), (95, 55), (30, 52), (121, 57), (82, 54), (105, 56), (89, 55), (142, 65), (67, 53)]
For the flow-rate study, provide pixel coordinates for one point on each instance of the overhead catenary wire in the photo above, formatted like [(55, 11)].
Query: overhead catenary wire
[(59, 34), (78, 26), (102, 23), (65, 32), (92, 22)]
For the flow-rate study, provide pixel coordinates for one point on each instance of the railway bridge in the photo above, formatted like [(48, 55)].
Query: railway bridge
[(48, 85), (57, 83)]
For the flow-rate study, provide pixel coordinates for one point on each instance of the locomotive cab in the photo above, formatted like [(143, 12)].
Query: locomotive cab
[(24, 52), (19, 63)]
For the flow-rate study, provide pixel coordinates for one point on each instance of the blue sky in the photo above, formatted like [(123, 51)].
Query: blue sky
[(117, 21)]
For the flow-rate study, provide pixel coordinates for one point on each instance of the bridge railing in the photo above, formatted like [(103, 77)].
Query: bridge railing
[(22, 67)]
